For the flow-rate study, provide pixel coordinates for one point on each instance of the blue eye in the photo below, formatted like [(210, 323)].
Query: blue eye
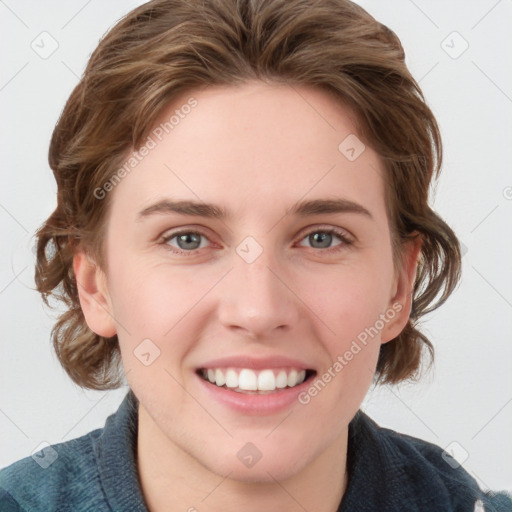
[(325, 237), (188, 242)]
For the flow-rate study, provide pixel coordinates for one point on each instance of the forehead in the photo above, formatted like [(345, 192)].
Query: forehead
[(254, 147)]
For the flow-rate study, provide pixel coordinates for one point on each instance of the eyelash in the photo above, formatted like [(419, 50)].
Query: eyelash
[(345, 241)]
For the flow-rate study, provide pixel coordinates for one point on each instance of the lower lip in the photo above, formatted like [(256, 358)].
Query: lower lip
[(254, 404)]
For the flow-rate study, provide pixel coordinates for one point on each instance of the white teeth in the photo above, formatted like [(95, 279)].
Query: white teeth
[(231, 379), (292, 378), (266, 381), (249, 380), (281, 380), (220, 380)]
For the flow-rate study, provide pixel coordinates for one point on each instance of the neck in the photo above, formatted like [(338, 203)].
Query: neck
[(172, 480)]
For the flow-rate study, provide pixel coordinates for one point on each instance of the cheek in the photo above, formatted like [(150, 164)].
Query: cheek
[(162, 303), (156, 317), (150, 301), (350, 310), (351, 300)]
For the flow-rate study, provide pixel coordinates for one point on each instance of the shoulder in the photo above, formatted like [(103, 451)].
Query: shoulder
[(63, 476), (449, 474), (421, 473)]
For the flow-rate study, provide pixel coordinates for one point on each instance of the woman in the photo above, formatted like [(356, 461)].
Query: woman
[(243, 227)]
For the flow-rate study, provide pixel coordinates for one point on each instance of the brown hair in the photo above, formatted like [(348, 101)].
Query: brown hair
[(165, 48)]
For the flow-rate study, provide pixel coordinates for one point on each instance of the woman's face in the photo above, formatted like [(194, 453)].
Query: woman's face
[(294, 281)]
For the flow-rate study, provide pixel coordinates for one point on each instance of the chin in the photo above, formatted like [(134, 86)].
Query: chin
[(258, 462), (261, 473)]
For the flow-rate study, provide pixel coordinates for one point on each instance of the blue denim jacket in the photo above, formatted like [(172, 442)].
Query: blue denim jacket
[(388, 472)]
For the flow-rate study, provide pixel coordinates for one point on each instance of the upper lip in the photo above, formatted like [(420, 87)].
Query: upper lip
[(259, 363)]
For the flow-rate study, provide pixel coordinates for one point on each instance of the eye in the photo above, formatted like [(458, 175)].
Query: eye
[(323, 238), (187, 241)]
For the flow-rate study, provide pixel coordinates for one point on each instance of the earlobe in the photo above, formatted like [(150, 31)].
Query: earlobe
[(401, 300), (93, 294)]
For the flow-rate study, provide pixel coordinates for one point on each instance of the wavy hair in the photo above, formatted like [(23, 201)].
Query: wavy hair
[(164, 48)]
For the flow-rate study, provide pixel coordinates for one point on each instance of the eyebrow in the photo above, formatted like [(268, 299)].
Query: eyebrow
[(209, 210)]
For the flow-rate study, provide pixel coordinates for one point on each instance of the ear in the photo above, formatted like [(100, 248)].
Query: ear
[(401, 296), (93, 294)]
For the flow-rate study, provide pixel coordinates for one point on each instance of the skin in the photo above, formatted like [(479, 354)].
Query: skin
[(255, 150)]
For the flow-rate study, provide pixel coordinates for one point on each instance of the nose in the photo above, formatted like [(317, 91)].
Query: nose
[(257, 298)]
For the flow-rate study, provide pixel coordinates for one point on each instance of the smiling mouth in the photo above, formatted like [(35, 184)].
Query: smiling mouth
[(245, 380)]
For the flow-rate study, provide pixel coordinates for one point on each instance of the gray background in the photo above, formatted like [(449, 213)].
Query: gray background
[(465, 404)]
